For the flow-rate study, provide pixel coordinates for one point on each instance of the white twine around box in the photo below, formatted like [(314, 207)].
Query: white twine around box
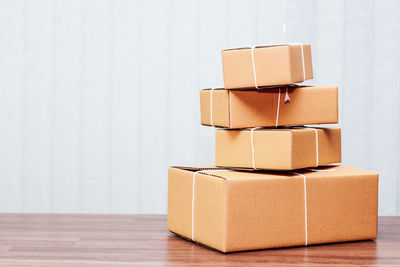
[(305, 206), (211, 108), (254, 66), (252, 146), (277, 107), (305, 199), (302, 61), (316, 148), (287, 98), (252, 48), (193, 189)]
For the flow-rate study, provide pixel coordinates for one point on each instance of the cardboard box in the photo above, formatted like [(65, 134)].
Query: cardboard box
[(266, 65), (269, 108), (236, 210), (278, 149)]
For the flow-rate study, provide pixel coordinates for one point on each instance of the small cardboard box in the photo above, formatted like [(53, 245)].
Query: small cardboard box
[(266, 65), (269, 108), (278, 149), (237, 210)]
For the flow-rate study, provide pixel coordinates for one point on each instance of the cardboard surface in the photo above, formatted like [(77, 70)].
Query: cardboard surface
[(239, 210), (274, 65), (278, 149), (236, 109)]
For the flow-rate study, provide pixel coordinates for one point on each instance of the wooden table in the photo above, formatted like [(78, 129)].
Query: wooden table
[(125, 240)]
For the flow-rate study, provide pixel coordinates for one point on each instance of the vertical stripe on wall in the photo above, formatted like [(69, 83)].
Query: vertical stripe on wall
[(38, 96), (97, 89), (126, 98), (12, 65), (67, 103)]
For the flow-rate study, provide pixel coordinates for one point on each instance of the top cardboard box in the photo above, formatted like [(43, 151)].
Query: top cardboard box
[(266, 65)]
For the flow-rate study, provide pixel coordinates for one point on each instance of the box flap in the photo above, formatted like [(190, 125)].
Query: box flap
[(247, 174), (262, 46)]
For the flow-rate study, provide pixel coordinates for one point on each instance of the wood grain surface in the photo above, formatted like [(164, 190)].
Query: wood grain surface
[(141, 240)]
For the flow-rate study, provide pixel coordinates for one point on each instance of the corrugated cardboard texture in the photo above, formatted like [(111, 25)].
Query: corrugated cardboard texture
[(278, 149), (238, 210), (258, 108), (275, 65), (209, 226)]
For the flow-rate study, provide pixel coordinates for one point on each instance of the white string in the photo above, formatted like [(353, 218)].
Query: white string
[(302, 60), (277, 109), (211, 108), (252, 146), (254, 67), (316, 148), (305, 206), (194, 182), (287, 97), (305, 199)]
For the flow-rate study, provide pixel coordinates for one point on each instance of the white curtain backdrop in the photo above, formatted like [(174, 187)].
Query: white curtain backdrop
[(98, 98)]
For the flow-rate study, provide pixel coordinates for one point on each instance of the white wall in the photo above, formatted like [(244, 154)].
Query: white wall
[(98, 98)]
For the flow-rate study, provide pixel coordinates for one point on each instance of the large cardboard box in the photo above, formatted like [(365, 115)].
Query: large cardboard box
[(266, 65), (237, 210), (278, 149), (269, 108)]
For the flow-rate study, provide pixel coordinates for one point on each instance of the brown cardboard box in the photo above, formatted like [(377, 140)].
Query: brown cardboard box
[(273, 65), (278, 149), (267, 108), (237, 210)]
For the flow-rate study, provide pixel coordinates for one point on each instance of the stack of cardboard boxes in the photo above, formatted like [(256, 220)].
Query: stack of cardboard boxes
[(272, 186)]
